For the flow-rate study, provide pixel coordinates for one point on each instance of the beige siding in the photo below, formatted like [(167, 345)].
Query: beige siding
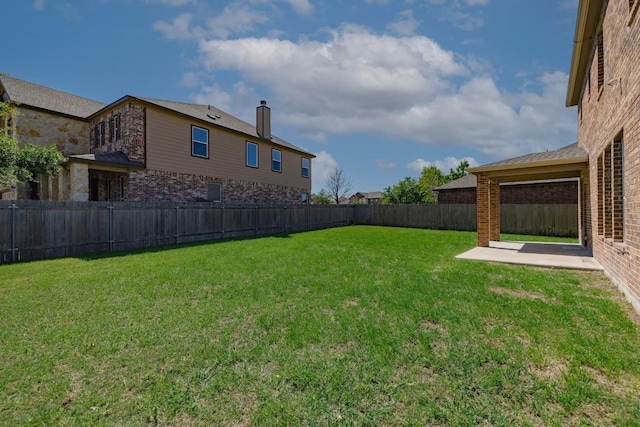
[(169, 149)]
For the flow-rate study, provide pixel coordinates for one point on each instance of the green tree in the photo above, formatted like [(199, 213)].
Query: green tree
[(406, 192), (430, 178), (21, 164), (461, 170), (322, 198)]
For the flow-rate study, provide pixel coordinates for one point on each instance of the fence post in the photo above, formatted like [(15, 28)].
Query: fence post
[(177, 235), (222, 221), (13, 250), (255, 221), (110, 227)]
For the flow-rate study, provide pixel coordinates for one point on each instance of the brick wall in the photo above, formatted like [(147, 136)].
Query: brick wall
[(552, 193), (154, 185), (606, 113)]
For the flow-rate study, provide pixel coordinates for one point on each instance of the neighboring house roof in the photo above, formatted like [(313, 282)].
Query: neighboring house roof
[(209, 114), (586, 27), (373, 195), (572, 153), (117, 158), (33, 95), (467, 181)]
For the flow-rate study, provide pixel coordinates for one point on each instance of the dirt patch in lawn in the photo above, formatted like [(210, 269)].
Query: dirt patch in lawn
[(518, 293)]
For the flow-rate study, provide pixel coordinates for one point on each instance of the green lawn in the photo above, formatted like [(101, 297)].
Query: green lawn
[(361, 325), (527, 238)]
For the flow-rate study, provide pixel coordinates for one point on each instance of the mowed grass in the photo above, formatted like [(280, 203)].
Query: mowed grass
[(364, 326)]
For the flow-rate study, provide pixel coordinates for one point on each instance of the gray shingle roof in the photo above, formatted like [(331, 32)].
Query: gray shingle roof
[(569, 152), (117, 158), (34, 95), (467, 181), (211, 114)]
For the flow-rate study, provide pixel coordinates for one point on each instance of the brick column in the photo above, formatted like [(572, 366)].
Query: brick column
[(482, 209), (494, 211)]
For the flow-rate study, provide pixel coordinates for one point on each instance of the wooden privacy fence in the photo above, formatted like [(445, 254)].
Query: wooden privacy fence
[(40, 229)]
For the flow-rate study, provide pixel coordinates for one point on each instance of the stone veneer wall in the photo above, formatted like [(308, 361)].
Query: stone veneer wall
[(132, 135), (71, 136), (154, 185)]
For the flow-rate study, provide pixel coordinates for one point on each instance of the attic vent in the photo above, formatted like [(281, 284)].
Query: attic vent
[(212, 117)]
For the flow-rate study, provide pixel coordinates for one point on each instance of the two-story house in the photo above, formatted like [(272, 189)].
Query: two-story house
[(143, 149)]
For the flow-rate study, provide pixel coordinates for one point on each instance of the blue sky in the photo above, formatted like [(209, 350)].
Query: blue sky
[(379, 88)]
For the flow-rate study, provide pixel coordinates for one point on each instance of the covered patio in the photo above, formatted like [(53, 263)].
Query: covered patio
[(567, 162)]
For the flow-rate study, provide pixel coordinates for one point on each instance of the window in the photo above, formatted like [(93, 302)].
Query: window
[(214, 192), (121, 188), (99, 131), (276, 160), (199, 142), (115, 128), (252, 154), (600, 60), (305, 167), (611, 191), (304, 197)]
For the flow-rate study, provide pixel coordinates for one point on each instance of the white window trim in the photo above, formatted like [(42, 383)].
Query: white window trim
[(205, 143), (273, 151), (249, 143)]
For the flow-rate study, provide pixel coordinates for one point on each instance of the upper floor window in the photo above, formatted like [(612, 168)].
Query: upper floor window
[(252, 154), (115, 127), (276, 160), (600, 60), (100, 136), (199, 142), (305, 167)]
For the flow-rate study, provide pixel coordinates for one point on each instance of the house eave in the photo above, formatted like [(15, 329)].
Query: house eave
[(586, 27), (515, 166)]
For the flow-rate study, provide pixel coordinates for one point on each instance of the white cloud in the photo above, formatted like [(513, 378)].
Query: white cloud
[(235, 19), (302, 7), (405, 24), (178, 29), (445, 165), (321, 166), (39, 4), (404, 88)]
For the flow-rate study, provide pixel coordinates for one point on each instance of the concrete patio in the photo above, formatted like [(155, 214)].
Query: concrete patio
[(551, 255)]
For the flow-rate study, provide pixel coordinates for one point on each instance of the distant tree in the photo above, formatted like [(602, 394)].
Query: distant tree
[(321, 198), (405, 192), (430, 178), (21, 164), (461, 170), (338, 184)]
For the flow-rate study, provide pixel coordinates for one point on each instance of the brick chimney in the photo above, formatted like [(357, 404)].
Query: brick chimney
[(263, 120)]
